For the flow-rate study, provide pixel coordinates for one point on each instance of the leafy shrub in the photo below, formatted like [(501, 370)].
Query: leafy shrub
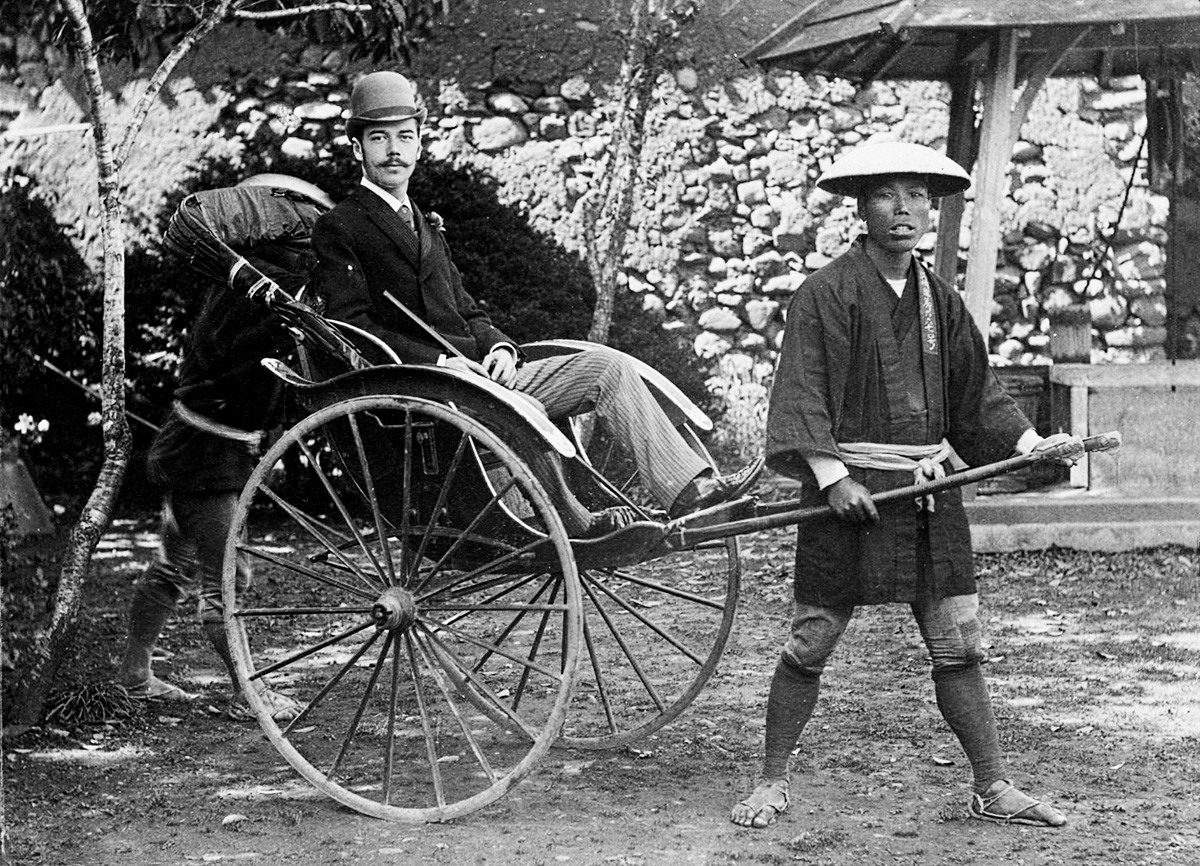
[(48, 304)]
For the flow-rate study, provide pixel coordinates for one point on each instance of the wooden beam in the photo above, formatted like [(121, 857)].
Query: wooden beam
[(786, 30), (995, 153), (1034, 78), (961, 146)]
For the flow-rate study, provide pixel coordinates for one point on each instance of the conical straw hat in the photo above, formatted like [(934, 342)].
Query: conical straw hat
[(848, 172)]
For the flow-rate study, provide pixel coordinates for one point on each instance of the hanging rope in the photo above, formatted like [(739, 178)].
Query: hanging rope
[(1121, 212)]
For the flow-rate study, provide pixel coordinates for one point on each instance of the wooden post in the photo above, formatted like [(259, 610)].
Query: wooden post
[(960, 147), (995, 153)]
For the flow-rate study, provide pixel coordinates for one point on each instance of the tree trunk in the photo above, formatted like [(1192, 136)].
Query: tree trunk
[(53, 647), (607, 215)]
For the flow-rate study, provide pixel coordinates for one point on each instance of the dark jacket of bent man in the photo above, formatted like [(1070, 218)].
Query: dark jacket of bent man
[(859, 364), (362, 249), (221, 377)]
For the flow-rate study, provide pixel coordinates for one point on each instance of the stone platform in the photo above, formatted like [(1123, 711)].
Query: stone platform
[(1081, 520)]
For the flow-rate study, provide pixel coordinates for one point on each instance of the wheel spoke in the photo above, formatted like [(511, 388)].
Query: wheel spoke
[(527, 662), (431, 751), (305, 571), (630, 656), (311, 527), (373, 500), (362, 705), (591, 582), (406, 497), (630, 577), (298, 611), (305, 653), (439, 677), (535, 648), (440, 503), (461, 583), (516, 621), (389, 755), (342, 509), (333, 681), (598, 673), (465, 532), (448, 657)]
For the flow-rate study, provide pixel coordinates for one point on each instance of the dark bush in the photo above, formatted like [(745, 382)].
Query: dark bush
[(49, 302)]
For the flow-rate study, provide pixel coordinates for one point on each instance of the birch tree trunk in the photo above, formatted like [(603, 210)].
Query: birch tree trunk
[(607, 214), (53, 647)]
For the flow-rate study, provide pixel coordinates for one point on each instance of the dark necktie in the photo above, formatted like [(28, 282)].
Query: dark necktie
[(406, 215)]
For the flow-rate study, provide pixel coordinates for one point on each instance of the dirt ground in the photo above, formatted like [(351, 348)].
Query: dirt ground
[(1094, 670)]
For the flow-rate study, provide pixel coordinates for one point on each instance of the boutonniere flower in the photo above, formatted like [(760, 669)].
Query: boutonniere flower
[(435, 219)]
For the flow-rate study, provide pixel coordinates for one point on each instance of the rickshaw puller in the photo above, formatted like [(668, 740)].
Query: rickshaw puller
[(882, 376)]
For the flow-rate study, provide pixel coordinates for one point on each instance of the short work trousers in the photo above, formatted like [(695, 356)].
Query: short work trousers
[(949, 626), (191, 552)]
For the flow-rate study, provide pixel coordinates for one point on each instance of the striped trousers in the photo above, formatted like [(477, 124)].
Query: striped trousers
[(603, 381)]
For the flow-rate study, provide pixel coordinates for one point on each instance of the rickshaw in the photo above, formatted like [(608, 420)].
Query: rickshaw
[(416, 590)]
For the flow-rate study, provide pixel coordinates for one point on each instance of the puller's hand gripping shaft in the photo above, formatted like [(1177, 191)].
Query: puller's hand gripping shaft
[(776, 514)]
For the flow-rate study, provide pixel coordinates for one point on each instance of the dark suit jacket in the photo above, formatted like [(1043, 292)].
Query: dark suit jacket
[(364, 248)]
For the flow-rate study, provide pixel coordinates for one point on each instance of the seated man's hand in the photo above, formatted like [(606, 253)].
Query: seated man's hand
[(851, 501), (464, 365), (500, 364), (1069, 448)]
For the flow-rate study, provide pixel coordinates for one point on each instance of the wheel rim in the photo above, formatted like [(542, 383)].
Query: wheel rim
[(421, 604), (654, 632)]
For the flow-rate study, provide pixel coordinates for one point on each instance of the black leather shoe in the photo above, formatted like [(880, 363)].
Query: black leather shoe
[(705, 491)]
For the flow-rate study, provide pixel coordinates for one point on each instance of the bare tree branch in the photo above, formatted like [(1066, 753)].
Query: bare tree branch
[(163, 72), (251, 15)]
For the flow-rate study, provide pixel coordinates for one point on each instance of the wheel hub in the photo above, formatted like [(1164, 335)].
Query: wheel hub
[(395, 610)]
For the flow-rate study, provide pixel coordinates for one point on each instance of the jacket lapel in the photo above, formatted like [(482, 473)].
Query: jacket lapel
[(391, 224)]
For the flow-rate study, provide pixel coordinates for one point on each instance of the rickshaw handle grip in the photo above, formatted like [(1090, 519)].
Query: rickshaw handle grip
[(775, 514)]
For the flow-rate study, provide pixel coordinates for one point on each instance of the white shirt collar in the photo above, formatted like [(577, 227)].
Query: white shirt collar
[(394, 203)]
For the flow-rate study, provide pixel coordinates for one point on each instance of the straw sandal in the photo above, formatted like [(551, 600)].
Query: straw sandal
[(764, 806), (1005, 804)]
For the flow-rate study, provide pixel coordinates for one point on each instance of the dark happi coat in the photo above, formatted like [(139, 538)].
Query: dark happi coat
[(859, 364), (364, 248)]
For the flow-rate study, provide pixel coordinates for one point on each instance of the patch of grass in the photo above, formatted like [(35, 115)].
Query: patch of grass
[(817, 841)]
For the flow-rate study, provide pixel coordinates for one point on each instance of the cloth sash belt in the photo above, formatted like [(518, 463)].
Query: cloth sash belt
[(923, 461), (252, 438)]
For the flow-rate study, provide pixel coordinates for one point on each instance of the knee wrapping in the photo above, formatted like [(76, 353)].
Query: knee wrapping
[(945, 668), (793, 669), (161, 585)]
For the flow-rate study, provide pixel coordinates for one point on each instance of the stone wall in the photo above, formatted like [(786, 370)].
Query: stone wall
[(728, 221)]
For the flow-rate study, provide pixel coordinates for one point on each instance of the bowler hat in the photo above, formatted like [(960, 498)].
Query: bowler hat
[(382, 97), (849, 173)]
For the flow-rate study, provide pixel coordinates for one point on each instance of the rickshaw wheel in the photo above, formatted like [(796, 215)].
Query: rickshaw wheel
[(654, 632), (416, 594)]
